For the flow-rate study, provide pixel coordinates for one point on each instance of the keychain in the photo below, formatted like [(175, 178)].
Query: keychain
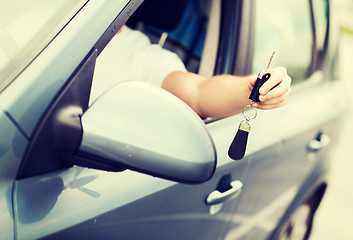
[(238, 146)]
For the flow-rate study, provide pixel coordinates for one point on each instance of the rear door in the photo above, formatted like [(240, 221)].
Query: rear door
[(283, 161)]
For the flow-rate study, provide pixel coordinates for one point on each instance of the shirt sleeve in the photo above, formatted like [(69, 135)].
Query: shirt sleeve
[(131, 56), (152, 63)]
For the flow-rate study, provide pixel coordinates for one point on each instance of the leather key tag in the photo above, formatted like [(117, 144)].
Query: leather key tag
[(237, 148)]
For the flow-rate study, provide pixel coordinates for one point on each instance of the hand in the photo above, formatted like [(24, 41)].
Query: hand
[(275, 91)]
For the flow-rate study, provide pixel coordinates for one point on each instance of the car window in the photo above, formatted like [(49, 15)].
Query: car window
[(284, 27), (26, 27), (187, 37)]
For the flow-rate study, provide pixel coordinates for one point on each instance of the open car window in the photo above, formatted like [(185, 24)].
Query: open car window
[(182, 30)]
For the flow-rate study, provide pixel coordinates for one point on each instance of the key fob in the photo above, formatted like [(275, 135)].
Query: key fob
[(254, 95), (237, 149)]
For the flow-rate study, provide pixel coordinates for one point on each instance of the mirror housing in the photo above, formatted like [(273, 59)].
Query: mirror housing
[(144, 128)]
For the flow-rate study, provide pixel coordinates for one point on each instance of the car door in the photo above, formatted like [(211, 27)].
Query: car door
[(53, 200), (286, 169), (144, 207), (10, 157)]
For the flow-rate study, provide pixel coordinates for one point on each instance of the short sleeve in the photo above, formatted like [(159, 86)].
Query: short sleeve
[(131, 56), (152, 63)]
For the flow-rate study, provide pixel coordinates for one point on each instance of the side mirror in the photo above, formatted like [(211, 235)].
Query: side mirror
[(141, 127)]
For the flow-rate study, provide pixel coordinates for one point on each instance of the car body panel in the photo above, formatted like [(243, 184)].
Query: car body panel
[(12, 147), (76, 195), (176, 211)]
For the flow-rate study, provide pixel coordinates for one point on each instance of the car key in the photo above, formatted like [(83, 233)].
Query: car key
[(261, 79), (237, 148)]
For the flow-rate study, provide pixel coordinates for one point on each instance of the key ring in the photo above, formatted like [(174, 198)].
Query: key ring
[(247, 107)]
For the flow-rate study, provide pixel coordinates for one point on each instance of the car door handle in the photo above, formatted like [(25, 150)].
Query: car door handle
[(315, 144), (217, 197)]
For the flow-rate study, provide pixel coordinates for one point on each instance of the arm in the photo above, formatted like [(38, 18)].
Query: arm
[(225, 95)]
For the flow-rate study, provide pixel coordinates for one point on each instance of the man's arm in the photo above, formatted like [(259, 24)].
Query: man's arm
[(225, 95)]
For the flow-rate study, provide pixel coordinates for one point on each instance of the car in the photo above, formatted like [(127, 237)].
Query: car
[(70, 170)]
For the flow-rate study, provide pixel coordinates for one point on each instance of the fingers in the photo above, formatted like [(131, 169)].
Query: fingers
[(275, 91), (274, 103), (282, 88), (278, 74)]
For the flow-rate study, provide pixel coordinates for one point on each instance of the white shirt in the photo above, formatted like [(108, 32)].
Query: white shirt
[(131, 56)]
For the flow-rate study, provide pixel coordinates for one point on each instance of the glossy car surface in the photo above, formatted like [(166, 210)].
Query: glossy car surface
[(63, 176)]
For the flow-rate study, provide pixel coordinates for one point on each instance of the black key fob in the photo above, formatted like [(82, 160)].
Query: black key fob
[(254, 95), (237, 149)]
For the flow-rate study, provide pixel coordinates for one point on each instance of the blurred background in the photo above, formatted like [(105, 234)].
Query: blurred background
[(334, 218)]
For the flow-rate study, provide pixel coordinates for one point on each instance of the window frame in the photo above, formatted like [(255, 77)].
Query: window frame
[(229, 37), (320, 54)]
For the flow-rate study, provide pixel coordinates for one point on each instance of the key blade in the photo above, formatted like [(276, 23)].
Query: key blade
[(269, 62)]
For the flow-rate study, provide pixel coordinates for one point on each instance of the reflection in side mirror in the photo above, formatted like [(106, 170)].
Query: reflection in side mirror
[(142, 127)]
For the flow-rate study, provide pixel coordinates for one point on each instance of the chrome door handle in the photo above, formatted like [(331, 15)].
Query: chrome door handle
[(315, 145), (217, 197)]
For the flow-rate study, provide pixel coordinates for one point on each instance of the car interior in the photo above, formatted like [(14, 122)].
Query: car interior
[(179, 26)]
